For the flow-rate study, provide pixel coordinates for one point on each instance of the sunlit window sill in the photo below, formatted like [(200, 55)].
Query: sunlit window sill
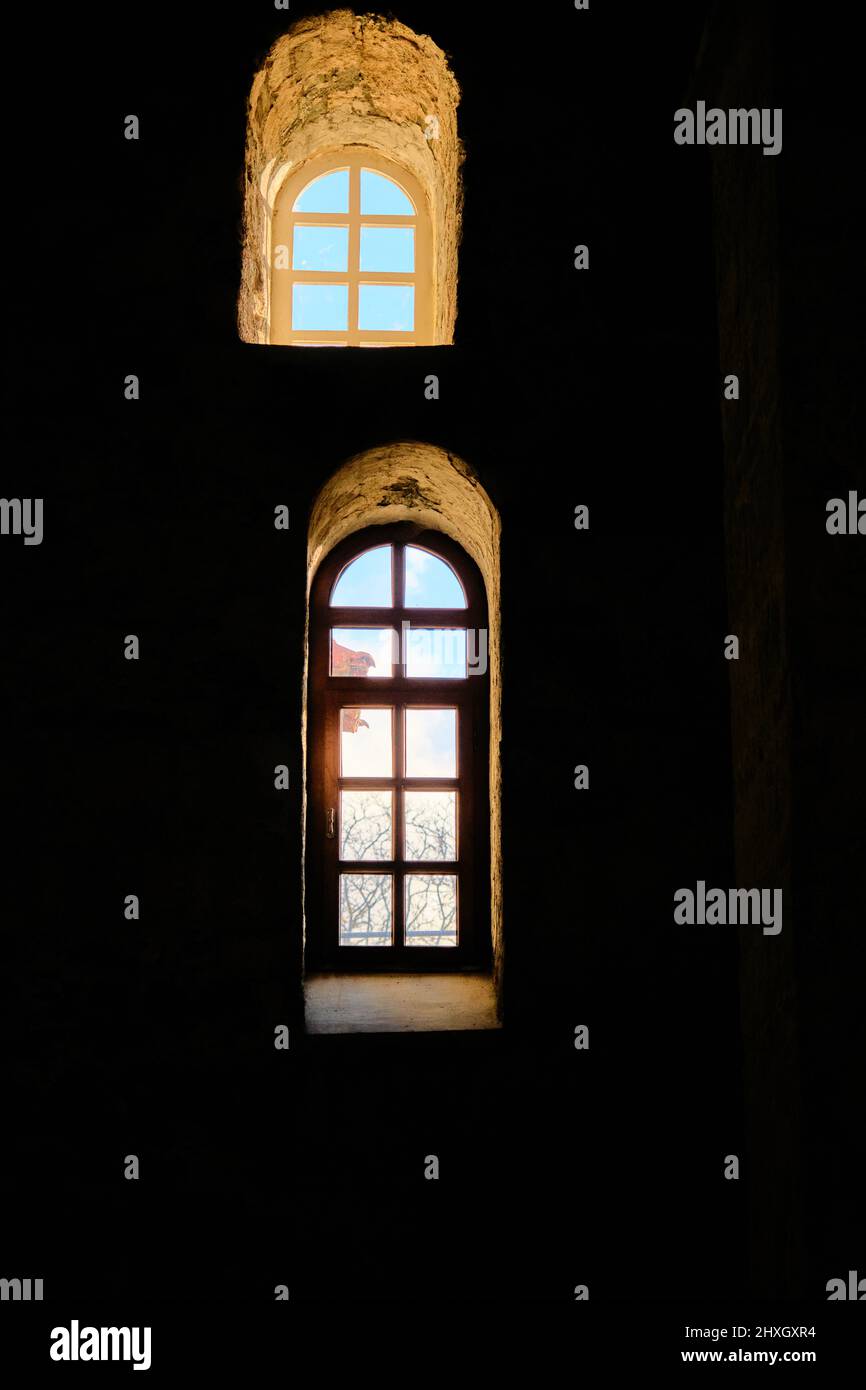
[(400, 1003)]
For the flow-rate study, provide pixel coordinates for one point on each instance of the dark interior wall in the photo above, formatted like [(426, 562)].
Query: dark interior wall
[(823, 366), (787, 264), (156, 777), (737, 70)]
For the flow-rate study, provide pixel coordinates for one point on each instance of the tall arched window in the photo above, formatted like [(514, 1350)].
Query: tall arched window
[(398, 815), (351, 257)]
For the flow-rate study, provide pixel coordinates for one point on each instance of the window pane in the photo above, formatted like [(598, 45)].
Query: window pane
[(431, 825), (365, 825), (366, 745), (436, 651), (366, 582), (328, 193), (388, 307), (365, 909), (362, 651), (383, 196), (321, 248), (320, 306), (430, 582), (388, 248), (431, 743), (431, 910)]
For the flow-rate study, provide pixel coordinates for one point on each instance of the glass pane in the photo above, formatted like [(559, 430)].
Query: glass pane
[(431, 825), (381, 196), (366, 582), (388, 307), (321, 248), (430, 582), (328, 193), (388, 248), (365, 825), (436, 651), (320, 306), (365, 909), (431, 743), (362, 651), (431, 910), (366, 745)]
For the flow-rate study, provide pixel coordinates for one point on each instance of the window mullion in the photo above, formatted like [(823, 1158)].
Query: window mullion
[(399, 616), (354, 249), (399, 828)]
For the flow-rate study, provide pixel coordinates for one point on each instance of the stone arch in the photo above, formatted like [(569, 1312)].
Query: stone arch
[(419, 482), (339, 80)]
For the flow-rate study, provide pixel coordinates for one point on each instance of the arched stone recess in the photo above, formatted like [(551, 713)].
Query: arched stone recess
[(339, 81), (421, 483)]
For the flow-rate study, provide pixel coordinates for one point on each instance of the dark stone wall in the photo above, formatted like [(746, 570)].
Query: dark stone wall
[(786, 264), (823, 362)]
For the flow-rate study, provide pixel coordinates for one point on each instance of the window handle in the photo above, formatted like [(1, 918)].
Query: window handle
[(330, 822)]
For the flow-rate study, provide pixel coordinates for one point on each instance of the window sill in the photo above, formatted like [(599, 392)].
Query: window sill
[(400, 1003)]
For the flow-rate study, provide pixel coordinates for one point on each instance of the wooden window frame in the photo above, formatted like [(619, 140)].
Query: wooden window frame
[(282, 234), (327, 694)]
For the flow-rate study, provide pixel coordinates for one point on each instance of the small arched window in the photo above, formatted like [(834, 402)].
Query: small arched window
[(351, 256), (345, 92), (398, 816)]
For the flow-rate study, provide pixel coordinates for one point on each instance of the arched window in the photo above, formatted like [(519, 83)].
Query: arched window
[(339, 94), (351, 260), (398, 814)]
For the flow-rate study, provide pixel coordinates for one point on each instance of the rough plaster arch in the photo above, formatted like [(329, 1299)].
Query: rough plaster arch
[(343, 79), (421, 483)]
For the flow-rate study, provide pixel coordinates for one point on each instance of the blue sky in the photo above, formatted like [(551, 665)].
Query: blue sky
[(366, 582), (383, 308)]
